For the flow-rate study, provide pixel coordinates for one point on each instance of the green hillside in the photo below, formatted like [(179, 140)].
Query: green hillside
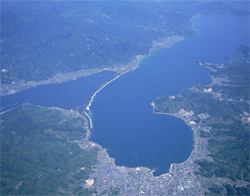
[(38, 155)]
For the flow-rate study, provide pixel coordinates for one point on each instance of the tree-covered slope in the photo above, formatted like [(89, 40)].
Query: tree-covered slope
[(38, 155), (42, 38)]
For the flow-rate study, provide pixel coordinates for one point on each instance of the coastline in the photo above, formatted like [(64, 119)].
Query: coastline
[(103, 153), (167, 42), (196, 121), (138, 59), (181, 175), (92, 98), (195, 139), (14, 87), (8, 89), (90, 121), (194, 127), (156, 45)]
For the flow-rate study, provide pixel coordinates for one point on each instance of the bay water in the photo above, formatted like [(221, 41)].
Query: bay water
[(67, 95), (123, 118), (124, 121)]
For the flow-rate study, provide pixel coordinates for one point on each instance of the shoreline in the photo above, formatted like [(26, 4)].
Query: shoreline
[(15, 87), (93, 96), (194, 127), (156, 45), (195, 139), (90, 121), (9, 89), (164, 43), (138, 59)]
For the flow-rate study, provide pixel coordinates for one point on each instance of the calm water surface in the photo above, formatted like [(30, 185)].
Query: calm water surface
[(67, 95), (123, 119)]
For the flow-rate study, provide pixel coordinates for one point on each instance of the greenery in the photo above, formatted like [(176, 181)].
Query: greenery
[(38, 155), (233, 190), (227, 190), (215, 190), (228, 140), (42, 38)]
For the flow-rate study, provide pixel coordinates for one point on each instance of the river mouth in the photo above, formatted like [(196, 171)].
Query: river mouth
[(124, 122)]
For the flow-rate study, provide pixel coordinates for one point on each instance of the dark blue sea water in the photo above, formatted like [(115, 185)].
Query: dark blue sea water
[(123, 119), (67, 95)]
